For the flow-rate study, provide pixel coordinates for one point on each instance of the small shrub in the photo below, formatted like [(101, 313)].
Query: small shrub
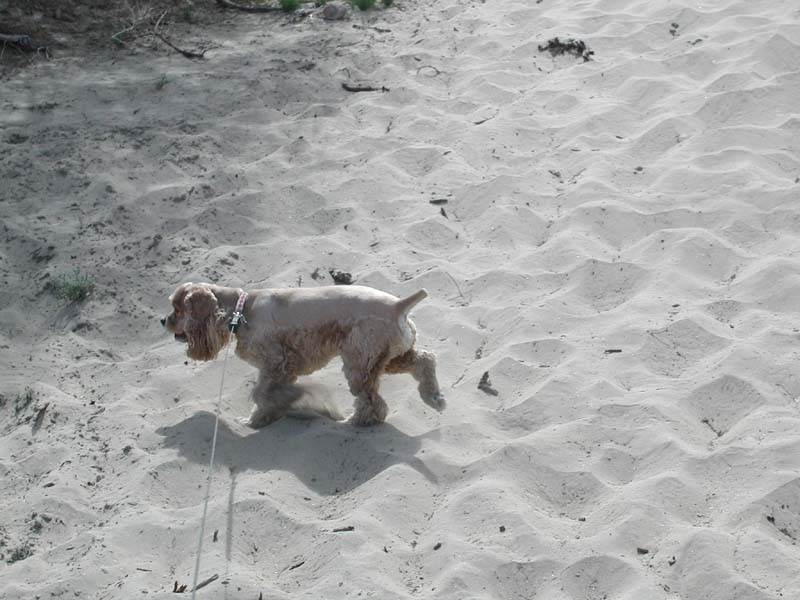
[(162, 81), (185, 12), (363, 4), (388, 3), (24, 398), (289, 5), (74, 288), (19, 553)]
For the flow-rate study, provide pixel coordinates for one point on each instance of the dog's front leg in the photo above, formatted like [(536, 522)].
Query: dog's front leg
[(272, 400)]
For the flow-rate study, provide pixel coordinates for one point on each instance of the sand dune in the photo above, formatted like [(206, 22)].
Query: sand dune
[(615, 242)]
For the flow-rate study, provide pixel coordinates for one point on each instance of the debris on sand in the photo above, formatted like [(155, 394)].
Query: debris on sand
[(485, 385), (341, 277), (557, 47)]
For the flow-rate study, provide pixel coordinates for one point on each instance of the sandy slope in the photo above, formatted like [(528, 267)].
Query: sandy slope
[(644, 202)]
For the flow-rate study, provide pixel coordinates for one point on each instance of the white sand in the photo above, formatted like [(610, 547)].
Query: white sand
[(255, 168)]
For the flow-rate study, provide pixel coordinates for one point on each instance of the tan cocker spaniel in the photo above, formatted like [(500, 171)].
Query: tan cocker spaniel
[(286, 333)]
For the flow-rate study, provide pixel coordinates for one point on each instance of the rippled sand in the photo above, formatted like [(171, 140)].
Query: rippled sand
[(618, 250)]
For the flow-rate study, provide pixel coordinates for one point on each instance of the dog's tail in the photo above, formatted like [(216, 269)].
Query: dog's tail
[(406, 304)]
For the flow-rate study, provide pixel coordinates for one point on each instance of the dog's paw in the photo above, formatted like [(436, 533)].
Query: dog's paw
[(436, 401), (248, 422), (258, 419), (361, 420), (369, 415)]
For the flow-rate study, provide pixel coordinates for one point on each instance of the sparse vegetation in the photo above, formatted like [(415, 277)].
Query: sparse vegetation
[(75, 287), (19, 553), (363, 4), (162, 81), (368, 4), (185, 12), (23, 399), (288, 5)]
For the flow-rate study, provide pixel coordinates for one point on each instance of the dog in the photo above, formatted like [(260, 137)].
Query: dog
[(286, 333)]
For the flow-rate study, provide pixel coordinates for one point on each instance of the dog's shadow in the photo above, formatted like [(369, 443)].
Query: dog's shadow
[(329, 457)]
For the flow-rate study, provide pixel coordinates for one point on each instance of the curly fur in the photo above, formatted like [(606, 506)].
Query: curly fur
[(294, 332)]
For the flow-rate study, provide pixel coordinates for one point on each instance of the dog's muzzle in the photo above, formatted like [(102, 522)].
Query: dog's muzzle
[(179, 337)]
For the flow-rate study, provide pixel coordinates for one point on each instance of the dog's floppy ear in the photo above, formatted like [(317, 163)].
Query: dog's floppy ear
[(204, 324), (200, 303), (179, 294)]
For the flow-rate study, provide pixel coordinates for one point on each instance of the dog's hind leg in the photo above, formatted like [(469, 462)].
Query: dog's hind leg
[(421, 364), (363, 375)]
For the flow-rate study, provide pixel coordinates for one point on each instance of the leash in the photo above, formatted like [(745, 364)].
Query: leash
[(238, 317)]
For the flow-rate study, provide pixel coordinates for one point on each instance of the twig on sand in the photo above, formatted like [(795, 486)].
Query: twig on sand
[(115, 37), (458, 287), (186, 53), (140, 19), (205, 582), (363, 88), (22, 42), (163, 38), (138, 16), (343, 529), (378, 29), (248, 7)]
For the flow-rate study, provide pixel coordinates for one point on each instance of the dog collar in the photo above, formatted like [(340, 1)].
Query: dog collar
[(238, 312)]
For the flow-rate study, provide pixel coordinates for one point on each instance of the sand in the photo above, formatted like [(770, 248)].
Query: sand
[(618, 250)]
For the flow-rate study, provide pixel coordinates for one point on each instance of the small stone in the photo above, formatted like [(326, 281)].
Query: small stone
[(334, 11)]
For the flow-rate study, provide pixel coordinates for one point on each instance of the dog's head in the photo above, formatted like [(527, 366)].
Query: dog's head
[(197, 320)]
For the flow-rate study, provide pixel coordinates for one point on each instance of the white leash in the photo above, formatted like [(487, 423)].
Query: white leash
[(237, 316), (210, 475)]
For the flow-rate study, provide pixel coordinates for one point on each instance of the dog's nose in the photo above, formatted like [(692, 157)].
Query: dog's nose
[(163, 320)]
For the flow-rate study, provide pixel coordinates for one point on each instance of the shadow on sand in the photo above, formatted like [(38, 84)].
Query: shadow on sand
[(329, 457)]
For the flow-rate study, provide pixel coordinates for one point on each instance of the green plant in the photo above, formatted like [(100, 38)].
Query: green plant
[(75, 287), (25, 397), (388, 3), (288, 5), (185, 12), (19, 553), (161, 82), (363, 4)]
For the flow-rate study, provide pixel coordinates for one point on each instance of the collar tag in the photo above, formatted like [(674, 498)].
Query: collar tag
[(238, 313)]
